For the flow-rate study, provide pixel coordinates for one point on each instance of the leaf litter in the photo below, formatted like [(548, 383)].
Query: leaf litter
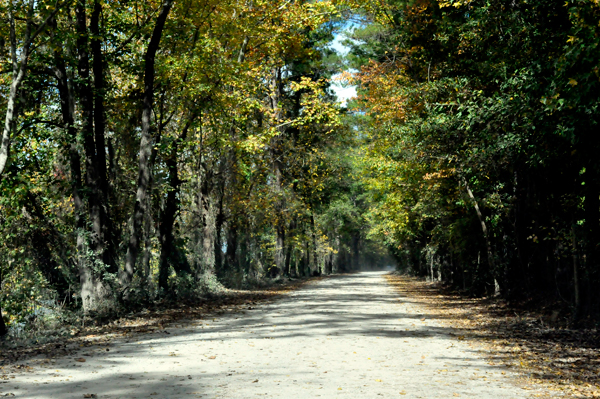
[(557, 358), (155, 320)]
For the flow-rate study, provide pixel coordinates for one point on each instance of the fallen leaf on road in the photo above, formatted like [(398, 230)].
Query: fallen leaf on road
[(212, 357), (90, 395), (254, 381), (81, 360), (378, 380), (402, 392)]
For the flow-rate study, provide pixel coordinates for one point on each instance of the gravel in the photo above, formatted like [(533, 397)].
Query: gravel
[(349, 336)]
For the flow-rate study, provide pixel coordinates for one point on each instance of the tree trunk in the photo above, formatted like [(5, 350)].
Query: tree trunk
[(288, 258), (147, 254), (205, 266), (296, 271), (243, 255), (167, 220), (93, 290), (592, 224), (218, 241), (146, 145), (169, 253), (305, 270), (314, 243), (42, 238), (3, 329), (488, 243), (431, 267), (67, 106), (355, 251), (19, 70), (276, 155), (230, 255), (576, 284), (108, 245)]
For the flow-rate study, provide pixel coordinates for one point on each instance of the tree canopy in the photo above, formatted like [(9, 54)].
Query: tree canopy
[(163, 149)]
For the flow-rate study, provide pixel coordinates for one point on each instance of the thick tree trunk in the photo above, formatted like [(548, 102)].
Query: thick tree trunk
[(166, 238), (93, 290), (107, 244), (205, 265), (232, 244), (146, 144), (243, 255), (280, 246), (170, 254), (67, 106), (147, 254), (288, 258), (305, 269)]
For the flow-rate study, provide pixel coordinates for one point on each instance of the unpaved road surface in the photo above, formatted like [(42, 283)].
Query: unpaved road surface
[(348, 336)]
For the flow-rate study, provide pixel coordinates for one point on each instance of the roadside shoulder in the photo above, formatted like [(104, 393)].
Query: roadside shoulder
[(560, 361)]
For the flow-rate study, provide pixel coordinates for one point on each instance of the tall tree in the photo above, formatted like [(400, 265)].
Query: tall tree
[(146, 144)]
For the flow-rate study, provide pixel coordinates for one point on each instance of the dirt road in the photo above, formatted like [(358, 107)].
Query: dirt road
[(347, 336)]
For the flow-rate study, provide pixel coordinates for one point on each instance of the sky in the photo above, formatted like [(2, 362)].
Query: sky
[(343, 92)]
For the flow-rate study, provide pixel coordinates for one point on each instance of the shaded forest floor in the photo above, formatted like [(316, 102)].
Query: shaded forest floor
[(563, 360), (156, 319)]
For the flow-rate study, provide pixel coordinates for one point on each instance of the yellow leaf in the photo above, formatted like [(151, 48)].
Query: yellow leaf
[(378, 380), (572, 82)]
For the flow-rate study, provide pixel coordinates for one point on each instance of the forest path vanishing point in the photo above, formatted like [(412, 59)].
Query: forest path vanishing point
[(349, 336)]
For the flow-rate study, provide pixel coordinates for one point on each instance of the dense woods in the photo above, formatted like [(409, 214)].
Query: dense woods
[(481, 143), (160, 150)]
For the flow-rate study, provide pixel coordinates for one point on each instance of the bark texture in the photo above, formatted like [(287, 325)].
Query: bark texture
[(146, 144)]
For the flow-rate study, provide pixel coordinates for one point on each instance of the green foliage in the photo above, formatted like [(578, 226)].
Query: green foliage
[(500, 101), (244, 166)]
